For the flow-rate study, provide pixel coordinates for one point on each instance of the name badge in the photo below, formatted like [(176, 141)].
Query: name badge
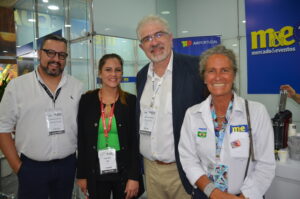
[(148, 120), (218, 173), (107, 161), (55, 122)]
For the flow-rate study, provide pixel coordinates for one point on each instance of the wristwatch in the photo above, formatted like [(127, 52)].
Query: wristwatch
[(208, 189)]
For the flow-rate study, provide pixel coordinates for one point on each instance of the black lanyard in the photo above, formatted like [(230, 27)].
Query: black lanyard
[(49, 92)]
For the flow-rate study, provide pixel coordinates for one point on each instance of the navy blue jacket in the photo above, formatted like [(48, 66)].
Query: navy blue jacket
[(187, 89)]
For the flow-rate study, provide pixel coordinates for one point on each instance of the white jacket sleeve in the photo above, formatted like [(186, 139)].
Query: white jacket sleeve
[(187, 151), (262, 171)]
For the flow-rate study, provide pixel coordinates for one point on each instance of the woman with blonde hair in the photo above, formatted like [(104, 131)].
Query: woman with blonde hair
[(227, 143)]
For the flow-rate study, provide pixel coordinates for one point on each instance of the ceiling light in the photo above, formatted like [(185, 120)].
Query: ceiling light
[(53, 7), (45, 1), (107, 29), (184, 31), (31, 20), (165, 12), (5, 51), (234, 45), (244, 21), (68, 25)]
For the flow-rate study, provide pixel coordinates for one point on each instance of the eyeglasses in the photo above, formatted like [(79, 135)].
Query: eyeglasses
[(52, 53), (156, 35)]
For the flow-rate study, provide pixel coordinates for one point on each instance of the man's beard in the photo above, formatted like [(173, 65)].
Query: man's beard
[(158, 58), (53, 73)]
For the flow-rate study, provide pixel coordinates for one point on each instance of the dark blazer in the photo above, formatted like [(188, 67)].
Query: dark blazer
[(127, 158), (187, 89)]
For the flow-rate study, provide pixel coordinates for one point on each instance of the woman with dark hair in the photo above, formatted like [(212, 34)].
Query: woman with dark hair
[(108, 160)]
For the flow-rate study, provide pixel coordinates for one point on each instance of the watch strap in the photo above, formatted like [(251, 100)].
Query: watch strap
[(208, 189)]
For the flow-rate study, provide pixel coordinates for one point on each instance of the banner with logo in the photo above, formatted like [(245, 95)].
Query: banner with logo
[(273, 45), (195, 45)]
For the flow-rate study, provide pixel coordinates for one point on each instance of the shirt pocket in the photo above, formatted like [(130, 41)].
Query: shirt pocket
[(239, 145)]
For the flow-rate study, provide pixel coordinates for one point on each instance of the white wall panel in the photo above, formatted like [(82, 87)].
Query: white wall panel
[(121, 17)]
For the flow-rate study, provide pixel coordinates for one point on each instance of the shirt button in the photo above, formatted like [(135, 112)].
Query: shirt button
[(95, 124), (94, 147), (120, 125)]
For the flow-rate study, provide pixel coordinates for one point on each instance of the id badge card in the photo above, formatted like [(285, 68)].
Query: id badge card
[(107, 161), (55, 122), (148, 120), (218, 173)]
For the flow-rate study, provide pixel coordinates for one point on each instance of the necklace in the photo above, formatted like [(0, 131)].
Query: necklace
[(107, 109), (221, 116)]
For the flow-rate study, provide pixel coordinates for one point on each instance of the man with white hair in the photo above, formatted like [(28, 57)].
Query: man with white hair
[(166, 87)]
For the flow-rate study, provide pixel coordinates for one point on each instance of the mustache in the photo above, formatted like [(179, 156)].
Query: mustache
[(54, 62), (156, 46)]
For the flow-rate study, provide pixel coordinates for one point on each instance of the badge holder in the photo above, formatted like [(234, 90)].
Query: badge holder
[(148, 118), (55, 122), (107, 161), (218, 173)]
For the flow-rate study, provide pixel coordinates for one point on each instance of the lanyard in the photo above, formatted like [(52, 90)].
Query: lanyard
[(220, 132), (155, 90), (49, 92), (111, 114)]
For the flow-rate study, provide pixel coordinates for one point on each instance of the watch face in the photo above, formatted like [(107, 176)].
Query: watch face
[(297, 31)]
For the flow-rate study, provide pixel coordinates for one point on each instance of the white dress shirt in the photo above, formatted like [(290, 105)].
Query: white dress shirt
[(23, 109), (160, 144), (197, 152)]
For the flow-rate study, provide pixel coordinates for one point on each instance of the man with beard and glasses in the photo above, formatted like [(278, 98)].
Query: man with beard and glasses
[(166, 87), (41, 108)]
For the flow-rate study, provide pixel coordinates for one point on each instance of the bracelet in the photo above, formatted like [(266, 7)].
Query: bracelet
[(208, 189)]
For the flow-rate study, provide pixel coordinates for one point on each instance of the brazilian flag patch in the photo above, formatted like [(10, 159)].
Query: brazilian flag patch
[(201, 134)]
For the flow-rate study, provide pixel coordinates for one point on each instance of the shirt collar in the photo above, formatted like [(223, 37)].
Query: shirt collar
[(237, 104), (63, 79)]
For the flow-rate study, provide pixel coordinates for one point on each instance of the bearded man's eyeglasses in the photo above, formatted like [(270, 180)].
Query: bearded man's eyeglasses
[(52, 53), (156, 35)]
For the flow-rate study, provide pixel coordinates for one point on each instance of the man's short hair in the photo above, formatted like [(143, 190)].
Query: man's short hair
[(53, 37), (152, 18)]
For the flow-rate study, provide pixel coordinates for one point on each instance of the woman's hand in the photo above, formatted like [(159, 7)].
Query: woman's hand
[(291, 92), (132, 188), (218, 194), (82, 184)]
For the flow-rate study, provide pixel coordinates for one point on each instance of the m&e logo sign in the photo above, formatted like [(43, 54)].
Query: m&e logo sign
[(271, 38)]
